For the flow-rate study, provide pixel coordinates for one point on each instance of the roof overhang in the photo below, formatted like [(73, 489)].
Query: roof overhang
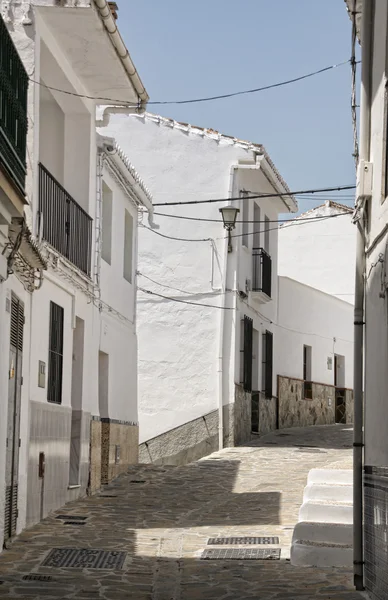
[(355, 6), (95, 51), (271, 173)]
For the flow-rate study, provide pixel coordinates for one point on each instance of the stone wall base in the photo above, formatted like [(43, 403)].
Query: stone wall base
[(114, 445), (190, 441)]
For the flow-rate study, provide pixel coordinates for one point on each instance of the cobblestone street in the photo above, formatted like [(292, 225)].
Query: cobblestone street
[(163, 516)]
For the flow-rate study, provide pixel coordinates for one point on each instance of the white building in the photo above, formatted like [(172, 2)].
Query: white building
[(371, 449), (78, 416), (319, 249), (207, 318)]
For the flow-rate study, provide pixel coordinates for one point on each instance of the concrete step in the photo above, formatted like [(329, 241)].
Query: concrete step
[(330, 476), (320, 555), (328, 493), (326, 512), (323, 533)]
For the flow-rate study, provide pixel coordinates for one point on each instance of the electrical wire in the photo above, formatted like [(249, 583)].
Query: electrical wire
[(193, 100), (183, 301), (176, 238), (255, 195), (353, 64), (214, 292), (296, 219)]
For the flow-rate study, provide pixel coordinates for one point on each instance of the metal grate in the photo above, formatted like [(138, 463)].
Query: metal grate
[(10, 514), (17, 323), (84, 558), (242, 541), (261, 271), (71, 518), (241, 554), (37, 578), (74, 523), (375, 532)]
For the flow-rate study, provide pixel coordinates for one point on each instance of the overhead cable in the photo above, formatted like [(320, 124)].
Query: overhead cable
[(204, 220), (183, 301), (193, 100)]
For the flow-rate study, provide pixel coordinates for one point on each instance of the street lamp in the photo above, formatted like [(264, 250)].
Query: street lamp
[(229, 215)]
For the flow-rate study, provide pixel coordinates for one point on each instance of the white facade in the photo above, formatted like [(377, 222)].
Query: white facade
[(88, 305), (309, 317), (321, 252), (194, 294)]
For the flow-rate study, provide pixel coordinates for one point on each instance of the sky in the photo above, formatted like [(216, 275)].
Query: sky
[(185, 49)]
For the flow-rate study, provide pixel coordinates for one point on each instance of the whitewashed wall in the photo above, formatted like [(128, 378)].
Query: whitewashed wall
[(321, 253), (310, 317)]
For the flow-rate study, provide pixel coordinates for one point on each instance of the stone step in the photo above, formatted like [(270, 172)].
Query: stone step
[(321, 555), (325, 533), (328, 493), (330, 476), (326, 512)]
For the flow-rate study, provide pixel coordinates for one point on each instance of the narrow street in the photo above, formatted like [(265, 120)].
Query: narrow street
[(162, 518)]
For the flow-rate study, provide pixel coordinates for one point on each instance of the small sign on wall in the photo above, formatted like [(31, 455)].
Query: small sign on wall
[(330, 363), (42, 374)]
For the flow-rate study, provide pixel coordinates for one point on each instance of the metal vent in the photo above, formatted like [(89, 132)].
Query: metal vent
[(241, 554), (17, 323), (71, 517), (74, 523), (84, 558), (242, 541)]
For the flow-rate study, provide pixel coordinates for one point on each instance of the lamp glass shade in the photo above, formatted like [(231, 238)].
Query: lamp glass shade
[(229, 215)]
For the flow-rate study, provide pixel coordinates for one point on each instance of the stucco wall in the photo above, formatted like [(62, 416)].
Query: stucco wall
[(321, 253)]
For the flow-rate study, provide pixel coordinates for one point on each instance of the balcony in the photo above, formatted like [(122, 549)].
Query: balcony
[(261, 275), (66, 226), (13, 112)]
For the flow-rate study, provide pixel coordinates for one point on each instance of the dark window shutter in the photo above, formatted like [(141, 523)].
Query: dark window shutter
[(248, 346), (268, 363), (55, 370)]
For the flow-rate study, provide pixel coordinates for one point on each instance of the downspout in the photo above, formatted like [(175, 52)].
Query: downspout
[(359, 299), (117, 41), (114, 110)]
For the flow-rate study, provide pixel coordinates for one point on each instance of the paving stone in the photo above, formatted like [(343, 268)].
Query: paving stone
[(163, 525)]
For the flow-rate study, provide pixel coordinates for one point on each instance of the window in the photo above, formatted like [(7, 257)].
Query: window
[(106, 226), (55, 370), (246, 353), (245, 218), (307, 385), (267, 364), (266, 234), (128, 244), (256, 226)]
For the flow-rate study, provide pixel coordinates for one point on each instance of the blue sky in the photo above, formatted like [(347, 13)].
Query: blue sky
[(192, 49)]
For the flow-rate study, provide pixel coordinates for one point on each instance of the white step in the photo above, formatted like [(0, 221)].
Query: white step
[(328, 493), (326, 512), (330, 476), (312, 555), (324, 533)]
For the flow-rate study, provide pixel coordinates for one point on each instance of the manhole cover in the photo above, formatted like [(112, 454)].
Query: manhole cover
[(242, 541), (37, 578), (75, 523), (241, 554), (71, 517), (84, 558)]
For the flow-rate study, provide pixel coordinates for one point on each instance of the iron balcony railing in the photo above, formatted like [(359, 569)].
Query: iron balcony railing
[(66, 226), (262, 271), (13, 111)]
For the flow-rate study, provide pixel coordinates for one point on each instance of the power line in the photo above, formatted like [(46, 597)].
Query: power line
[(184, 301), (176, 238), (204, 220), (212, 292), (193, 100), (281, 195)]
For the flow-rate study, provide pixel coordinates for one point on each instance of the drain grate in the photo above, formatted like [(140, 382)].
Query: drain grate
[(37, 578), (242, 541), (75, 523), (241, 554), (84, 558), (70, 517), (108, 496), (137, 481)]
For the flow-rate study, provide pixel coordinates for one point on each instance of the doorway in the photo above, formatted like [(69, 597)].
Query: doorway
[(13, 418), (340, 392), (76, 401)]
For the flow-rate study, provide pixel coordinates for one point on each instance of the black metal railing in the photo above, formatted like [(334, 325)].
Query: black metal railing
[(13, 110), (66, 226), (261, 271)]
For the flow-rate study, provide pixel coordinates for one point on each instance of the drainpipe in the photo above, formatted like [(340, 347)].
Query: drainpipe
[(117, 41), (359, 298), (115, 110)]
